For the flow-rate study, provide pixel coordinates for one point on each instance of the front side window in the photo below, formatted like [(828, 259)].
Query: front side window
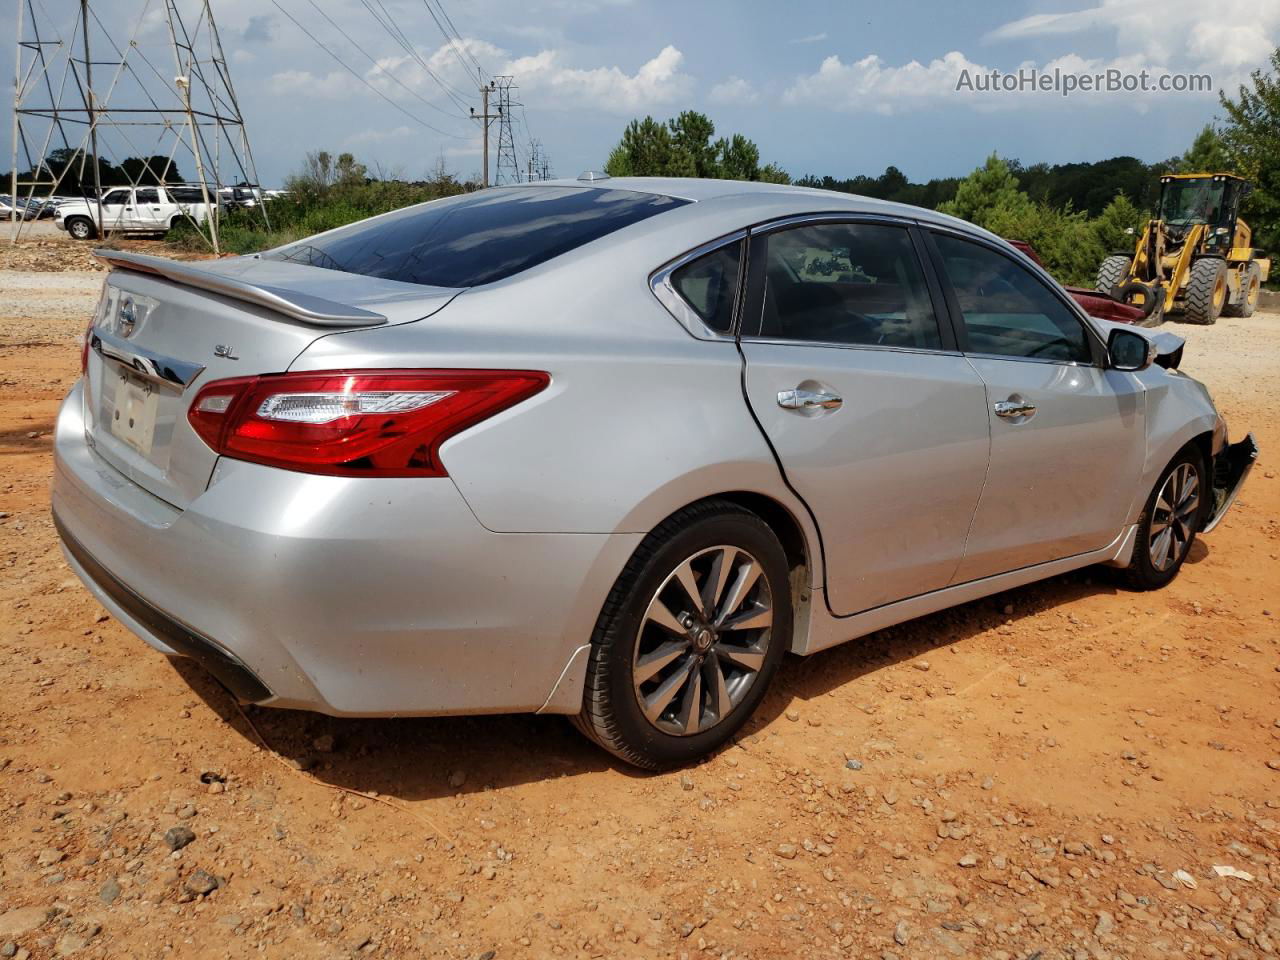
[(847, 283), (709, 285), (116, 196), (1007, 311), (478, 237)]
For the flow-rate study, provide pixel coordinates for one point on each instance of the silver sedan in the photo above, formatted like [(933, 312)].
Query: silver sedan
[(608, 448)]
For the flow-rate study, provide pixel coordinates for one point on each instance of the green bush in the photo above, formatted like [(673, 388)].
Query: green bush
[(1068, 242)]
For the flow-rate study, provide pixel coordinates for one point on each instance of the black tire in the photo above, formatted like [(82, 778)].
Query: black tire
[(1144, 572), (1250, 287), (1206, 291), (1152, 296), (81, 228), (1112, 272), (611, 711)]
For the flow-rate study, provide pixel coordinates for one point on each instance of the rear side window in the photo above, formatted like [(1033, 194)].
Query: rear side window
[(847, 283), (477, 238), (147, 195), (710, 285)]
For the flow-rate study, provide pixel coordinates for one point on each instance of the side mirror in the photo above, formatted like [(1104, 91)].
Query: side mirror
[(1130, 351)]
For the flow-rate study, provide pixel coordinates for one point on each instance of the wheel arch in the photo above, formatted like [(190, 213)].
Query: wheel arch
[(799, 543)]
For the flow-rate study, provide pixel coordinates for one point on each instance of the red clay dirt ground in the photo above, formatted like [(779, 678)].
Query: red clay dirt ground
[(1034, 768)]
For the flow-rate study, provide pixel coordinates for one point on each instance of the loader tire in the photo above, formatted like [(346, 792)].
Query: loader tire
[(1112, 273), (1206, 291), (1250, 287), (1151, 296)]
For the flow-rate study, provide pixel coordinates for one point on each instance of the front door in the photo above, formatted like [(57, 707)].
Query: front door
[(117, 209), (879, 423), (1068, 436)]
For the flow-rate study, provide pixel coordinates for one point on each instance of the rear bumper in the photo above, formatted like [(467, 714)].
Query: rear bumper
[(361, 597), (1230, 469), (176, 638)]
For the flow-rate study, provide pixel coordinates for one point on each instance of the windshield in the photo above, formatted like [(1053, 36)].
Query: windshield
[(1192, 201), (477, 237)]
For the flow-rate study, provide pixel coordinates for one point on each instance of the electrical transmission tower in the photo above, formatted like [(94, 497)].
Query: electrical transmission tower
[(539, 163), (88, 110), (508, 170)]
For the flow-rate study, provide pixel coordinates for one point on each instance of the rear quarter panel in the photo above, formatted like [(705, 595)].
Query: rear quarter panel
[(641, 418)]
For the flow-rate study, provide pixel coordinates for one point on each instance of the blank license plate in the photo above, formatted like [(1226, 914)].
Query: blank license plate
[(134, 418)]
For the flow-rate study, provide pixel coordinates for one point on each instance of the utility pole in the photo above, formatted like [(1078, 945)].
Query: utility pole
[(485, 118)]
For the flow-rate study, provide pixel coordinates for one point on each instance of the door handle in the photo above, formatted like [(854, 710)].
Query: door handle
[(1010, 409), (808, 400)]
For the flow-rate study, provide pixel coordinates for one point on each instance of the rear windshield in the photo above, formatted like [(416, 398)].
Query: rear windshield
[(477, 238)]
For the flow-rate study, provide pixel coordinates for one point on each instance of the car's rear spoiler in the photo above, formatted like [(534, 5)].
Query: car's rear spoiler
[(298, 306)]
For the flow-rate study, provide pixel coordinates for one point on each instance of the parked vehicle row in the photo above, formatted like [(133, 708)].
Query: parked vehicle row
[(142, 209)]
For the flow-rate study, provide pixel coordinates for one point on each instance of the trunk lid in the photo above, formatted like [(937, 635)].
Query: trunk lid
[(163, 330)]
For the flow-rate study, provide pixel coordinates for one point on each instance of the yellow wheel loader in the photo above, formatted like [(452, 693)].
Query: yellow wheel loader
[(1196, 255)]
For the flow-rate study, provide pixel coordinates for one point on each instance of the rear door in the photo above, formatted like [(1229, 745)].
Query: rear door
[(1068, 436), (879, 423), (148, 209)]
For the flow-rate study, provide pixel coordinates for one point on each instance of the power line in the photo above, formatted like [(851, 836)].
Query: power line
[(393, 30), (358, 76), (454, 45), (382, 69)]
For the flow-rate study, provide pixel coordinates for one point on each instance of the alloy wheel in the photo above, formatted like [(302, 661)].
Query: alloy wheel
[(702, 641), (1173, 517)]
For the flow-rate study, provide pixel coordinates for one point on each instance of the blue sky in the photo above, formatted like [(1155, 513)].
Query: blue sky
[(822, 87)]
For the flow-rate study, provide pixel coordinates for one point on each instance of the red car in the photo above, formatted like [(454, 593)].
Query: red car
[(1095, 303)]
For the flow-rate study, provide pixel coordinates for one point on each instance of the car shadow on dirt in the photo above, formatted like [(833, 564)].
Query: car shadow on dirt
[(416, 758)]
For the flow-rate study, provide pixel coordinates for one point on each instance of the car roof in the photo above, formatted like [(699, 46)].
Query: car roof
[(747, 192)]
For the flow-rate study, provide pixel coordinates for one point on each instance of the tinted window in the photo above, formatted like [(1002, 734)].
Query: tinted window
[(710, 285), (852, 283), (186, 194), (1007, 311), (476, 238), (116, 196), (147, 195)]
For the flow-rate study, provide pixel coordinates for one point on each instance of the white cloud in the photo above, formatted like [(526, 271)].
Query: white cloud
[(733, 90), (811, 38), (1178, 32), (1183, 37), (611, 89), (330, 86), (871, 84)]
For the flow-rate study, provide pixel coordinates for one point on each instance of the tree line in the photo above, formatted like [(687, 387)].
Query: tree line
[(74, 171)]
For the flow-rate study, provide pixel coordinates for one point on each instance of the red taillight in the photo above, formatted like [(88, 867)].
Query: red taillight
[(384, 423)]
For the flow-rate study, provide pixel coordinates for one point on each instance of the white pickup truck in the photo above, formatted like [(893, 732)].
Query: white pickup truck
[(133, 209)]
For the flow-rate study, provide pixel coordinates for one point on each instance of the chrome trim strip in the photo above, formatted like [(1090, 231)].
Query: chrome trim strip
[(889, 348), (147, 364), (662, 287), (302, 307), (845, 217)]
